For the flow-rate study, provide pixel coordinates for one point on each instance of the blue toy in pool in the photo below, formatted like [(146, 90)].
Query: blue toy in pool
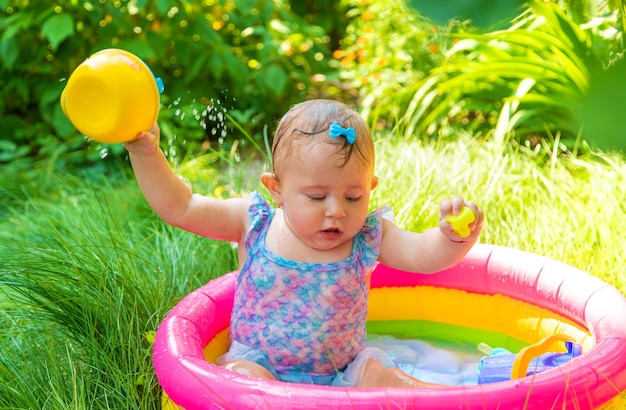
[(499, 365)]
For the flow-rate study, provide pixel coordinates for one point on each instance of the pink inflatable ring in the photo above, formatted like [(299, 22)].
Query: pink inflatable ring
[(498, 295)]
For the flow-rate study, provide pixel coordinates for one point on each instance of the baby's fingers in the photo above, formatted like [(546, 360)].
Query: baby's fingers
[(460, 220), (146, 143)]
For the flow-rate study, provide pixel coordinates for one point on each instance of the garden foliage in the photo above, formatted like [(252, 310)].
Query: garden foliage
[(526, 80), (232, 66), (251, 58), (387, 49)]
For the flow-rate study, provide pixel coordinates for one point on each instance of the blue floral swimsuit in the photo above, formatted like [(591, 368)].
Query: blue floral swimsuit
[(304, 322)]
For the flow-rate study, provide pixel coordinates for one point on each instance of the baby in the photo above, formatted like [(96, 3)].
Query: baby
[(300, 304)]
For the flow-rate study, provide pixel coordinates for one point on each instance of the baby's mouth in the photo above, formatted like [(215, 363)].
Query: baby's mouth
[(331, 233), (332, 230)]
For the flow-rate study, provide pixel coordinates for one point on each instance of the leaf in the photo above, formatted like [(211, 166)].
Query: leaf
[(194, 68), (57, 28), (50, 95), (62, 125), (525, 85), (216, 66), (274, 79), (140, 48), (142, 4), (7, 146), (10, 151), (235, 67), (9, 51), (203, 28), (603, 108), (164, 5)]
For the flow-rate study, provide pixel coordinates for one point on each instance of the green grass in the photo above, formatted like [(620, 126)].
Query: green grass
[(87, 272), (540, 201)]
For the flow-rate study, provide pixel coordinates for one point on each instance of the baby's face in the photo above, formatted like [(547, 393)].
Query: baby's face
[(325, 200)]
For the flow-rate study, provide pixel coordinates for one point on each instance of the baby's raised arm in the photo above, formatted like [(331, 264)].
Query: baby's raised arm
[(172, 199), (434, 250)]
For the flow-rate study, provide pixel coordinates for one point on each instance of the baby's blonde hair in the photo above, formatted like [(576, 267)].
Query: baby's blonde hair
[(313, 118)]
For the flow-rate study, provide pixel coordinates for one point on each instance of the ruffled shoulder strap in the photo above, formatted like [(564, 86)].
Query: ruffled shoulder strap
[(371, 235), (261, 214)]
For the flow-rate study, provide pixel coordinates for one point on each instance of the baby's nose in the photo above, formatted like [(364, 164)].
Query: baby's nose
[(335, 209)]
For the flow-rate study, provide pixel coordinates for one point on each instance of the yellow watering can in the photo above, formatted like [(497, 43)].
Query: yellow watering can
[(112, 96)]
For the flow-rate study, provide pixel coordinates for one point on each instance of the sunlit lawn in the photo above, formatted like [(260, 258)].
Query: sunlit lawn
[(568, 209), (87, 271)]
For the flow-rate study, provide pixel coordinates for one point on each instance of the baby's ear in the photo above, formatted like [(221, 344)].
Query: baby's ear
[(272, 184), (374, 182)]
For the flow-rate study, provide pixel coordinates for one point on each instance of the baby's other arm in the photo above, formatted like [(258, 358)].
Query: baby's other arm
[(434, 250), (172, 198)]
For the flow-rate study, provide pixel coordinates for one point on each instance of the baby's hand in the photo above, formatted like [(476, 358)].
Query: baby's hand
[(147, 142), (457, 223)]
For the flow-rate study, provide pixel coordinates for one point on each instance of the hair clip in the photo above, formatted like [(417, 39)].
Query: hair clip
[(337, 130)]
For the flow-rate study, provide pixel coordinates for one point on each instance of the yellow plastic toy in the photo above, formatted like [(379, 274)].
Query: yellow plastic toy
[(528, 353), (460, 222), (112, 96)]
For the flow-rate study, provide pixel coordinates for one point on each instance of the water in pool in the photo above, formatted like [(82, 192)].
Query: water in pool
[(432, 361)]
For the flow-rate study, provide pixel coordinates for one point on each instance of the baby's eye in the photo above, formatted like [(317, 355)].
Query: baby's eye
[(316, 197), (353, 198)]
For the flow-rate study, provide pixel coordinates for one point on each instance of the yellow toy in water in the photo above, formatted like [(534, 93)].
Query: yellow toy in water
[(112, 96), (460, 222)]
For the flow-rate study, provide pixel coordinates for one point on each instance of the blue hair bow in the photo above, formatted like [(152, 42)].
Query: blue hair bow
[(337, 130)]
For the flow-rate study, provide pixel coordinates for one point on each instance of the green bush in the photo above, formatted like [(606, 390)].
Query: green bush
[(526, 82), (388, 48), (214, 57)]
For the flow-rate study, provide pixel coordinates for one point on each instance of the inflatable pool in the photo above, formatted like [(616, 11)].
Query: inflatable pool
[(496, 295)]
